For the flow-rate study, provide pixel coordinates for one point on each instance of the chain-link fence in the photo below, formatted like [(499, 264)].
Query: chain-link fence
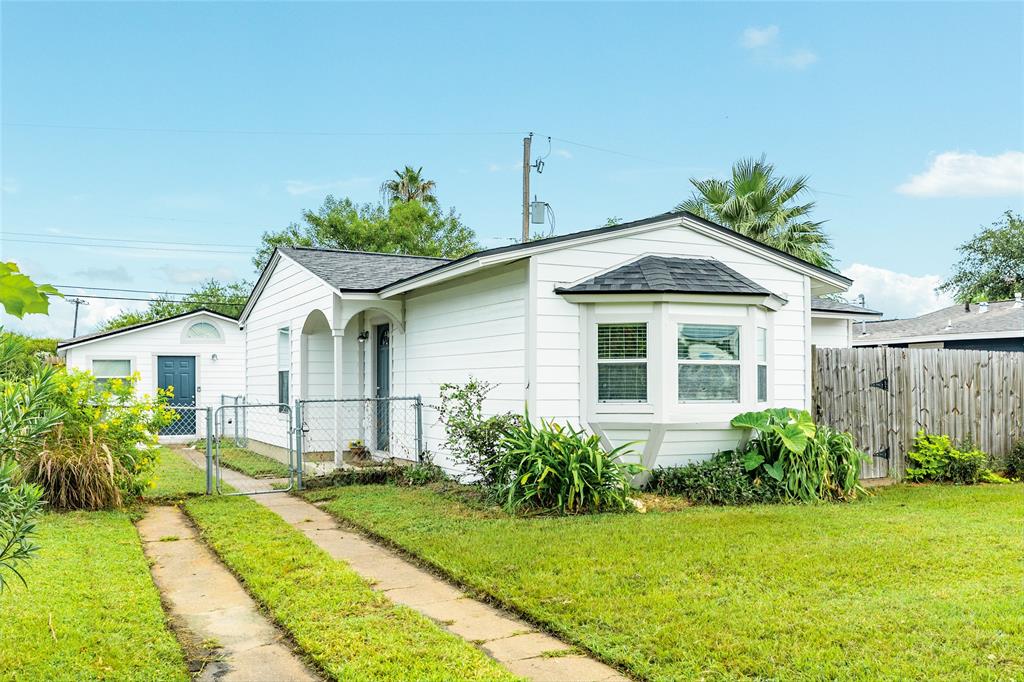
[(190, 424), (356, 431), (257, 441)]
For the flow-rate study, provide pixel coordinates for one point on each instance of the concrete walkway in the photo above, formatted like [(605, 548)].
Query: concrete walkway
[(212, 607), (520, 647)]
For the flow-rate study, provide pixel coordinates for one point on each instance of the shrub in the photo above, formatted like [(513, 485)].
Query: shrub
[(935, 458), (811, 463), (20, 507), (721, 480), (110, 419), (471, 439), (1014, 466), (558, 468)]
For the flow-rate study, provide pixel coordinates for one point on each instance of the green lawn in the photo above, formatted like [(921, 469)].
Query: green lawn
[(90, 611), (251, 463), (350, 631), (914, 583), (175, 478)]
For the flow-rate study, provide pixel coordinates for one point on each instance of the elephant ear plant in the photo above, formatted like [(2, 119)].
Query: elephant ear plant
[(811, 462)]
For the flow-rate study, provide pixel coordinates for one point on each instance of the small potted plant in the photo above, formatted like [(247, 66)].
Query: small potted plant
[(358, 450)]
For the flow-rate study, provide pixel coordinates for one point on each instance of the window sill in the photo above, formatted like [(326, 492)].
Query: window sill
[(623, 408)]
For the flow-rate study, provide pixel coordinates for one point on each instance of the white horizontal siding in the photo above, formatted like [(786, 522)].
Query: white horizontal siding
[(474, 328), (830, 332)]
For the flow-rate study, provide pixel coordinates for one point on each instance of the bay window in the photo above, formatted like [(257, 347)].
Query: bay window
[(708, 358), (622, 362)]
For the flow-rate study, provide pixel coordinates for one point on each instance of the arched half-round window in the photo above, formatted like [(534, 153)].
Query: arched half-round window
[(202, 331)]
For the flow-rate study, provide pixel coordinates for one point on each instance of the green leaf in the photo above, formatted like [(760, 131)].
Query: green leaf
[(752, 420), (752, 460), (793, 437), (774, 470)]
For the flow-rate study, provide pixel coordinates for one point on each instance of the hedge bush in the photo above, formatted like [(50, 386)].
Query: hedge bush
[(722, 480)]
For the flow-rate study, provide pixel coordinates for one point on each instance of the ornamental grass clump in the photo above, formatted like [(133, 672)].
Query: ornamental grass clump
[(555, 467)]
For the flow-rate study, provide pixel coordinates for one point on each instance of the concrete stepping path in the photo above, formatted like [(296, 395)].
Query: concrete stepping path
[(517, 645), (214, 609)]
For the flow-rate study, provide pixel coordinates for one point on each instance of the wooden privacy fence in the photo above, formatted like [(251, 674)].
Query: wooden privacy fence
[(883, 396)]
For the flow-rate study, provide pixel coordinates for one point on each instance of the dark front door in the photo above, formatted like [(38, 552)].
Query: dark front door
[(383, 385), (179, 372)]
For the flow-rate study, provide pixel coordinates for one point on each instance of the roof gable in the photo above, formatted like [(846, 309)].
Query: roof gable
[(84, 338)]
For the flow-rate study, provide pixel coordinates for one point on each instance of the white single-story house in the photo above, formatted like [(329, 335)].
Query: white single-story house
[(199, 354), (658, 330)]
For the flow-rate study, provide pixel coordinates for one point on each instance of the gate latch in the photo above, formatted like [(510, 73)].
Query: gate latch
[(882, 384), (882, 454), (304, 428)]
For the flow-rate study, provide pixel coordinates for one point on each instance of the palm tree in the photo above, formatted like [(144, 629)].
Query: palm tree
[(409, 185), (757, 203)]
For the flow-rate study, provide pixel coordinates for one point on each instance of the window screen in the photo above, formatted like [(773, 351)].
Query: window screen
[(709, 367), (284, 359), (622, 362)]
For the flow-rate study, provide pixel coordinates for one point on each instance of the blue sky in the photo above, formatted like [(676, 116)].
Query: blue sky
[(209, 123)]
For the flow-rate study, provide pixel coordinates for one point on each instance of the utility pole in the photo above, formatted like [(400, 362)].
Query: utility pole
[(77, 302), (526, 187)]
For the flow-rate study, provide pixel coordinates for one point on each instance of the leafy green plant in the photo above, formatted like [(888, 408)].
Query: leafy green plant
[(722, 480), (471, 439), (936, 458), (810, 462), (20, 507), (559, 468), (1014, 465)]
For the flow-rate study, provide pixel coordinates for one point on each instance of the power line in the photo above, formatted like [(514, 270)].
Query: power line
[(232, 131), (124, 246), (134, 241), (130, 291), (159, 300)]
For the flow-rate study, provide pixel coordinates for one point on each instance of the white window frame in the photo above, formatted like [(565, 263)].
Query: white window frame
[(105, 379), (738, 325), (591, 319), (185, 338), (645, 361), (284, 335), (761, 333)]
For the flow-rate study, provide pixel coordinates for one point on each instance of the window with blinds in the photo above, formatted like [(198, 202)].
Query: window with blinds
[(709, 362), (622, 362)]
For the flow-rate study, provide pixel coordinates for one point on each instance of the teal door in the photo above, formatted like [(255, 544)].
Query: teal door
[(179, 372), (383, 386)]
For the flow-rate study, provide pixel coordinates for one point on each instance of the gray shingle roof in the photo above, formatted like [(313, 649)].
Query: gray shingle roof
[(1002, 316), (357, 270), (827, 305), (664, 275)]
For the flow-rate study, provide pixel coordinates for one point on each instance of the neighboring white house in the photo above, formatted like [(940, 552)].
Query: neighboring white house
[(658, 330), (832, 322), (198, 353)]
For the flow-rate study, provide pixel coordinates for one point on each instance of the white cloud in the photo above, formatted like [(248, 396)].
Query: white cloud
[(60, 321), (564, 153), (759, 36), (765, 44), (300, 187), (798, 59), (116, 274), (958, 174), (196, 275), (498, 167), (9, 186), (896, 294)]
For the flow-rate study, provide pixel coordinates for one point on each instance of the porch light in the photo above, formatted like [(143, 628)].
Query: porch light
[(363, 336), (214, 357)]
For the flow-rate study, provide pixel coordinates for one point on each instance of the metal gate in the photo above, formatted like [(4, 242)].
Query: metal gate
[(333, 433), (256, 440)]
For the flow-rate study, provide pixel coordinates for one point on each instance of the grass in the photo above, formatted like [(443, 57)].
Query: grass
[(913, 583), (175, 477), (350, 631), (251, 463), (90, 611)]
